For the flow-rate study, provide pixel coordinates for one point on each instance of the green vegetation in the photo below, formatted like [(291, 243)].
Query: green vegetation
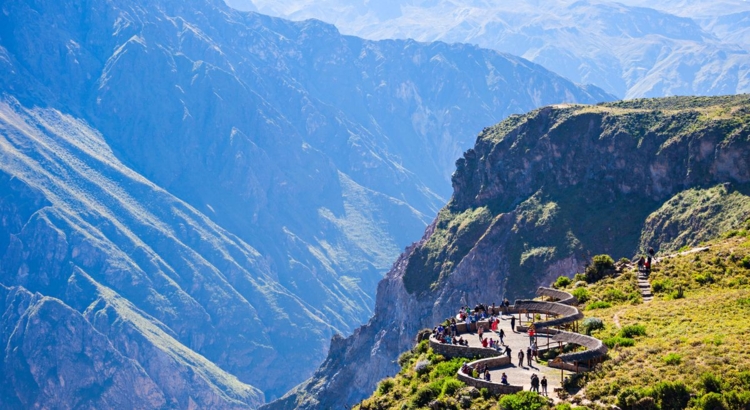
[(599, 304), (697, 215), (672, 353), (561, 282), (633, 330), (602, 266), (455, 234), (672, 359), (618, 341), (524, 400), (426, 377), (696, 342)]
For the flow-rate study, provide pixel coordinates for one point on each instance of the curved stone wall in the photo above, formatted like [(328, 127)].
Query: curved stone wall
[(451, 351)]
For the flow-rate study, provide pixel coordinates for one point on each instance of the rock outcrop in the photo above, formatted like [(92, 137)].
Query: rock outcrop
[(533, 194)]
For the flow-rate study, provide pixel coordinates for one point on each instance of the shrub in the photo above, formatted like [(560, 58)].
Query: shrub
[(405, 358), (561, 282), (446, 369), (599, 304), (423, 396), (386, 386), (661, 285), (524, 400), (422, 366), (672, 359), (711, 401), (670, 396), (602, 265), (592, 323), (581, 294), (704, 278), (579, 277), (627, 398), (676, 294), (737, 400), (710, 383), (633, 330), (745, 262), (485, 393), (618, 341), (423, 346), (614, 295), (451, 386), (744, 379)]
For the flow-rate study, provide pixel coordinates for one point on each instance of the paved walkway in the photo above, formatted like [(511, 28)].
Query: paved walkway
[(520, 376)]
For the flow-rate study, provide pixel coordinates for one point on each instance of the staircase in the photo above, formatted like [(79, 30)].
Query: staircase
[(645, 287)]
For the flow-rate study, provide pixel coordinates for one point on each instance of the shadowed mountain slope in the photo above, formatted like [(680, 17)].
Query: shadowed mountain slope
[(226, 189)]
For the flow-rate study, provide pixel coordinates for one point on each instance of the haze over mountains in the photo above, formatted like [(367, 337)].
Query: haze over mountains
[(631, 48), (193, 197)]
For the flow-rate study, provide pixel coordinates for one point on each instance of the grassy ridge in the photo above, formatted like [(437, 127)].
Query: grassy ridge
[(688, 348), (697, 339)]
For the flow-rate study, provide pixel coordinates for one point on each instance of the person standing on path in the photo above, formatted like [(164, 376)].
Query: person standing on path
[(520, 358), (544, 385), (502, 335), (508, 351), (535, 383), (528, 356), (513, 324)]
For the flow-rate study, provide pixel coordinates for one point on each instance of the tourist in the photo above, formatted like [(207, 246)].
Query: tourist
[(504, 379), (508, 351), (480, 331), (535, 351), (520, 358), (487, 376), (528, 355), (544, 385), (534, 383), (502, 335), (513, 324), (484, 343)]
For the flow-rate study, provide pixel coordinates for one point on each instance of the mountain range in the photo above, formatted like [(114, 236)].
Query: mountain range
[(630, 48), (196, 199)]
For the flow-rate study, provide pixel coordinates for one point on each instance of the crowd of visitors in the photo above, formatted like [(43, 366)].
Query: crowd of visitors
[(479, 372), (486, 319)]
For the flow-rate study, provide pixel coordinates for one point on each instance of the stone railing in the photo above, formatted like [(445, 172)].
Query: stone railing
[(493, 387), (562, 297), (450, 350)]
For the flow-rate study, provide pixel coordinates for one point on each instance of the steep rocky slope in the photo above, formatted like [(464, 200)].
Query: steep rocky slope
[(536, 196), (241, 182), (658, 49)]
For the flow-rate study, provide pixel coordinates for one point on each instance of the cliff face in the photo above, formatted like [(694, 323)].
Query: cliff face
[(533, 194)]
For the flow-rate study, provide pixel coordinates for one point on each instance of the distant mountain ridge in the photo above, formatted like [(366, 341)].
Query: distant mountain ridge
[(218, 192), (630, 48)]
